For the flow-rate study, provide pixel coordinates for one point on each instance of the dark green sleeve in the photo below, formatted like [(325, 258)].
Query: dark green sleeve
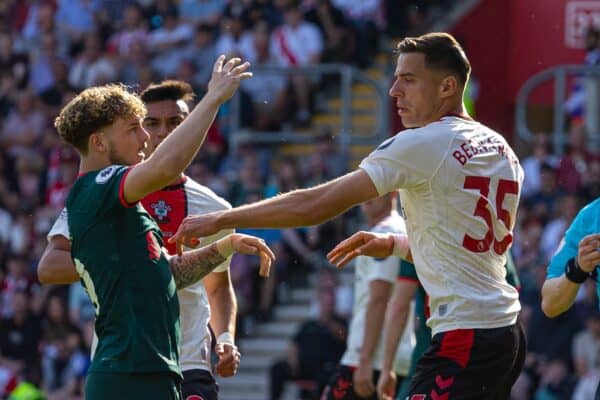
[(511, 272), (108, 188), (407, 271)]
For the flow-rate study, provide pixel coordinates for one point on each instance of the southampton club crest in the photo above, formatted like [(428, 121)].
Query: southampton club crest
[(161, 211)]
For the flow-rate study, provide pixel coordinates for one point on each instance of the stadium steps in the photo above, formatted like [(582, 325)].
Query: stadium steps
[(268, 343)]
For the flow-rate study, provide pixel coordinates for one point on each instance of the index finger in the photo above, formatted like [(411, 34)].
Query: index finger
[(218, 67), (263, 248), (345, 245), (265, 265)]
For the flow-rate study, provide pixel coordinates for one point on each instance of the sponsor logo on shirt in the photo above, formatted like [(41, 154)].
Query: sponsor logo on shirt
[(104, 175), (161, 211)]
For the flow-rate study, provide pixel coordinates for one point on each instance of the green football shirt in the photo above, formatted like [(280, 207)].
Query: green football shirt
[(116, 248)]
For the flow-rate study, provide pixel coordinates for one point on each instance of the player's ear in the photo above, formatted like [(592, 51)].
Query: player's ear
[(98, 142), (449, 86)]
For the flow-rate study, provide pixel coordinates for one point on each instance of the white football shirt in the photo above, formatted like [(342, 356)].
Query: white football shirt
[(460, 185), (367, 270), (172, 204)]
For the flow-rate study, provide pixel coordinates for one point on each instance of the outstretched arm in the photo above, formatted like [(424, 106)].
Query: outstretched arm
[(175, 153), (558, 294), (371, 244), (297, 208), (194, 265)]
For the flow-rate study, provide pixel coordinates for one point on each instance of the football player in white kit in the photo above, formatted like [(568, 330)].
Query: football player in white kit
[(374, 283), (460, 184), (167, 104)]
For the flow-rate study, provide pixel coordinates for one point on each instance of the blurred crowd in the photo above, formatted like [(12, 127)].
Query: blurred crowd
[(51, 49)]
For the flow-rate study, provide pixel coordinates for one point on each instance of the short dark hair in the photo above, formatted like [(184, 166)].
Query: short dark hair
[(442, 52), (168, 90)]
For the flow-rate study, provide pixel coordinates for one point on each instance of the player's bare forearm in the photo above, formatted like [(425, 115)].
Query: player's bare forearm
[(176, 152), (395, 320), (194, 265), (223, 303), (56, 265), (303, 207), (558, 294), (379, 294)]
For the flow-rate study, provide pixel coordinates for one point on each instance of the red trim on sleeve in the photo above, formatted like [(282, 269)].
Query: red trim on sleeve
[(122, 190)]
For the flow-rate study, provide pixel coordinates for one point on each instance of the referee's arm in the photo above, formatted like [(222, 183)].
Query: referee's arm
[(559, 292)]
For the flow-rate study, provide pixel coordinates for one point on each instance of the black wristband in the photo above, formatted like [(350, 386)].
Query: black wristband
[(574, 273)]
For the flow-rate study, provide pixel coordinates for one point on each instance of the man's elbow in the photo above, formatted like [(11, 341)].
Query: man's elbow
[(43, 274), (550, 310)]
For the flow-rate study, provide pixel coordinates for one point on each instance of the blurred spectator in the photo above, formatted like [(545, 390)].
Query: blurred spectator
[(69, 166), (134, 30), (42, 76), (297, 43), (201, 11), (19, 336), (586, 346), (591, 181), (555, 382), (366, 21), (134, 64), (305, 360), (40, 22), (234, 41), (201, 51), (574, 164), (13, 64), (568, 206), (23, 127), (267, 90), (92, 66), (17, 280), (166, 43), (338, 42), (540, 155), (326, 162), (75, 19), (64, 364), (543, 202)]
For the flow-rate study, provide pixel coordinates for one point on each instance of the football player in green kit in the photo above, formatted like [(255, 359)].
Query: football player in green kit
[(117, 247)]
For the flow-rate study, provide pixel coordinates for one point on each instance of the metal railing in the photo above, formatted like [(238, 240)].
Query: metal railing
[(345, 137), (559, 74)]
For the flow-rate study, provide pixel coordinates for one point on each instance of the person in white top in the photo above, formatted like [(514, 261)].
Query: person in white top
[(375, 280), (297, 43), (167, 108), (459, 184)]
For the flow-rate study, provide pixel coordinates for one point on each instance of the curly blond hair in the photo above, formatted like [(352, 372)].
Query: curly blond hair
[(94, 109)]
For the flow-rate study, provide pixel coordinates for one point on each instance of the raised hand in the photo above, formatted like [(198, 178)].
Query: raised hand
[(193, 227), (226, 77), (251, 245), (361, 244), (588, 252)]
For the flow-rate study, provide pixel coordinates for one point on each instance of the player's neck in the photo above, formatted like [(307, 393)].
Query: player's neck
[(91, 162), (459, 110), (455, 109)]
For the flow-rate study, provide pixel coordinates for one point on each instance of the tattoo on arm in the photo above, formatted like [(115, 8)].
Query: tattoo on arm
[(194, 265)]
